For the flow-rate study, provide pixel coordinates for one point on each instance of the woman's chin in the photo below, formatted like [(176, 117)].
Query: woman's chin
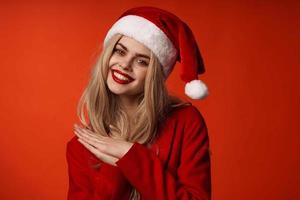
[(124, 93)]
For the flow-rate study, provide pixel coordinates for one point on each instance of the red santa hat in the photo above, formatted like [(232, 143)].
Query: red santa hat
[(170, 39)]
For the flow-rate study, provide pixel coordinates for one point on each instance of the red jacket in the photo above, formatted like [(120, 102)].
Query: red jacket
[(176, 166)]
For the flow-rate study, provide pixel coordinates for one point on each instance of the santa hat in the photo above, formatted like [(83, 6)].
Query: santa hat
[(170, 39)]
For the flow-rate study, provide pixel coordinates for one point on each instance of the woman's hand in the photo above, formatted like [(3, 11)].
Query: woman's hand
[(107, 149)]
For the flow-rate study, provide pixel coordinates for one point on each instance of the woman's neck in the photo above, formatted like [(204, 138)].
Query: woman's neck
[(129, 103)]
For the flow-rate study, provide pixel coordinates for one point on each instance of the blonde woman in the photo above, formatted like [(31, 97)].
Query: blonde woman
[(135, 141)]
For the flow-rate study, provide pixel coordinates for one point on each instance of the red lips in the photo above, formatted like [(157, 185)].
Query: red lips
[(130, 79)]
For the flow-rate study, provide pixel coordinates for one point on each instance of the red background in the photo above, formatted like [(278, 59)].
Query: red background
[(251, 54)]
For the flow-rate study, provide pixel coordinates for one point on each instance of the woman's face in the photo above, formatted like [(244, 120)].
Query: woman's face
[(128, 67)]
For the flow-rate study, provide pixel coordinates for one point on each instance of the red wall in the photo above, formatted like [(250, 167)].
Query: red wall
[(251, 54)]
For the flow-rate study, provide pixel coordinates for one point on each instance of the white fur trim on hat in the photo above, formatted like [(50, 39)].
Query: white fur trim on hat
[(196, 89), (148, 34)]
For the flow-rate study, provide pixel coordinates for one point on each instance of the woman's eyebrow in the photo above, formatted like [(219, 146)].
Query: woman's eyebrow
[(125, 48), (137, 54)]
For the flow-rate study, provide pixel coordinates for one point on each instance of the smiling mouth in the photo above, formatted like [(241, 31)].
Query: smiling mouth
[(120, 77)]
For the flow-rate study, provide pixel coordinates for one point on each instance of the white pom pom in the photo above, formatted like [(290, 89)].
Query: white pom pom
[(196, 89)]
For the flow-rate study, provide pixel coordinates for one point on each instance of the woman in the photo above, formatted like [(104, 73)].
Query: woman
[(139, 142)]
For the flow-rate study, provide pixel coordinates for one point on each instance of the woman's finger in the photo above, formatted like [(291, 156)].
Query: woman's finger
[(91, 140), (90, 133), (86, 129), (93, 137), (102, 156), (82, 131), (107, 145), (103, 146)]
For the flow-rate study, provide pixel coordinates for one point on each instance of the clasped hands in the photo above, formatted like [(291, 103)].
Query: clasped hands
[(107, 149)]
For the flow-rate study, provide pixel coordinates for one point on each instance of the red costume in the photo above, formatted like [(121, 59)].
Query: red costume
[(175, 166)]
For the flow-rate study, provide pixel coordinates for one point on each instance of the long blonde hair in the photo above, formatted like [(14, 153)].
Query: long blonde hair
[(103, 109)]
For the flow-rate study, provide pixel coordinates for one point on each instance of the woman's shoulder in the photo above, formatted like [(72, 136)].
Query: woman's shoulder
[(73, 145), (186, 112)]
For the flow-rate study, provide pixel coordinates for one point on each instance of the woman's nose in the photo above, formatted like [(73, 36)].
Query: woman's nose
[(126, 65)]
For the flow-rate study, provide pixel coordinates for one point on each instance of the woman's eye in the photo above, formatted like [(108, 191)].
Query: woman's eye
[(142, 62), (119, 51)]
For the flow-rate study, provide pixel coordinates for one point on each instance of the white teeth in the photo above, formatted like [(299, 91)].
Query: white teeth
[(120, 76)]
